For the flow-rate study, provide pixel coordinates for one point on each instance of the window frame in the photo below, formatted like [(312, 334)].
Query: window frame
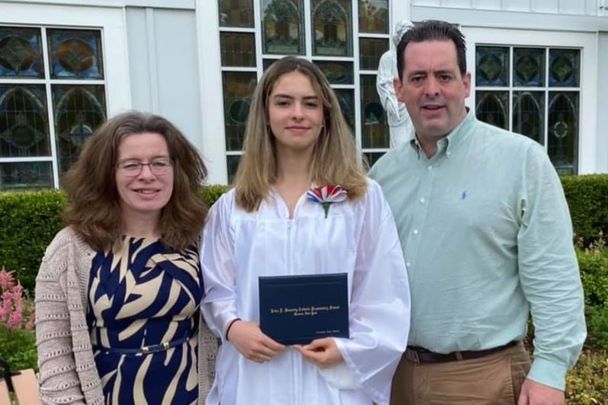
[(585, 42), (111, 24), (211, 74)]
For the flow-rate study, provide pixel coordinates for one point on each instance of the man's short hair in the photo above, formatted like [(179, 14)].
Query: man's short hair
[(433, 30)]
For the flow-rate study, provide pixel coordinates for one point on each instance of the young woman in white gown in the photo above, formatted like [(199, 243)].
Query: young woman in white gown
[(270, 224)]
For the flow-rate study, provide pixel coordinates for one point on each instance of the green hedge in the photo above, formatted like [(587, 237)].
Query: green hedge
[(28, 222), (588, 201), (594, 274), (30, 219)]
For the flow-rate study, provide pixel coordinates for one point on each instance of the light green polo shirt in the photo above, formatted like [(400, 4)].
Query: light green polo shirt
[(487, 238)]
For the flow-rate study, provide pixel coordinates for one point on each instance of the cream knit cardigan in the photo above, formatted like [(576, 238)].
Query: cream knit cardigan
[(68, 374)]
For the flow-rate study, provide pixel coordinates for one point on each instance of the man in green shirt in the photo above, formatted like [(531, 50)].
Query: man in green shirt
[(487, 238)]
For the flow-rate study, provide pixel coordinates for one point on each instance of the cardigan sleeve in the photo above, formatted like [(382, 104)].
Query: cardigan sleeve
[(58, 377)]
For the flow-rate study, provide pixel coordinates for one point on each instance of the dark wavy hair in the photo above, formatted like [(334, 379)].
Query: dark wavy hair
[(433, 30), (93, 208)]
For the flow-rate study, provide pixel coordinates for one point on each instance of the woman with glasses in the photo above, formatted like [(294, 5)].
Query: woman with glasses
[(118, 291), (302, 206)]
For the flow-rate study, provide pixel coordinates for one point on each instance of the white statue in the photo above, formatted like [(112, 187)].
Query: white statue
[(398, 118)]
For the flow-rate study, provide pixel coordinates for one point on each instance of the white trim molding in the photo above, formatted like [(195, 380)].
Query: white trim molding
[(586, 42)]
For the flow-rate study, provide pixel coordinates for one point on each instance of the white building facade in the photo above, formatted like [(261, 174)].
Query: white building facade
[(65, 66)]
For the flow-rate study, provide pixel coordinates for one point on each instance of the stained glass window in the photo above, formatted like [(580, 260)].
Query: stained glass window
[(492, 68), (529, 66), (238, 49), (374, 129), (370, 51), (283, 27), (564, 67), (24, 129), (75, 54), (528, 114), (34, 153), (332, 27), (238, 88), (266, 63), (373, 16), (347, 104), (493, 107), (21, 52), (25, 175), (236, 13), (531, 105), (233, 164), (563, 130), (322, 31), (79, 110), (337, 72)]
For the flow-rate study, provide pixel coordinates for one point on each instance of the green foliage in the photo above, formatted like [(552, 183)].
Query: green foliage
[(593, 264), (18, 348), (30, 220), (210, 194), (597, 326), (588, 201), (587, 382)]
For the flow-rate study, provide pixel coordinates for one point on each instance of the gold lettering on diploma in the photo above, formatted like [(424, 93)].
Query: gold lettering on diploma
[(303, 311)]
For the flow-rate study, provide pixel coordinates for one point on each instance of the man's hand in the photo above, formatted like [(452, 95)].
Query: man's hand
[(322, 352), (252, 343), (533, 393)]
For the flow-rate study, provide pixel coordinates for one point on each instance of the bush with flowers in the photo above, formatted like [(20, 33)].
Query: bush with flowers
[(17, 338)]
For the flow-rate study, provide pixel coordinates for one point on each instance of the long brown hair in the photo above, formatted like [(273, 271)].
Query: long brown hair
[(93, 208), (335, 158)]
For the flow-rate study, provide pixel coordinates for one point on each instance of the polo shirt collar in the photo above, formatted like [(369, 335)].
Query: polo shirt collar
[(450, 142)]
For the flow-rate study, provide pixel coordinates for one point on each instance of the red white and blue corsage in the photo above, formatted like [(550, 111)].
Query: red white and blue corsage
[(327, 195)]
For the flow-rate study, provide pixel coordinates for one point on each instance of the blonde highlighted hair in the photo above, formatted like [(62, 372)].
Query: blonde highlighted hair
[(335, 159)]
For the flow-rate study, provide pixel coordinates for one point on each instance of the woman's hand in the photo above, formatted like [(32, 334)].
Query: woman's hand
[(252, 343), (322, 352)]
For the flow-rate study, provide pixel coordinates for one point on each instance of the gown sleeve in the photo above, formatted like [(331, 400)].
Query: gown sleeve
[(380, 301), (219, 303)]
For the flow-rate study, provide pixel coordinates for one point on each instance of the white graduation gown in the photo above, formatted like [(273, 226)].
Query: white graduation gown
[(357, 238)]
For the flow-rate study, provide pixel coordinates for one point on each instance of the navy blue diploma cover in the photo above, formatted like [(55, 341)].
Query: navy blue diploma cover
[(299, 309)]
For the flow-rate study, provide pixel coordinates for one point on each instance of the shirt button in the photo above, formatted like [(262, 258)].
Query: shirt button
[(430, 168), (408, 264), (422, 200), (415, 231)]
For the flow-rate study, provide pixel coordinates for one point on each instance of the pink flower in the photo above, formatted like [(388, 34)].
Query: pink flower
[(12, 303), (327, 195), (6, 280), (14, 320)]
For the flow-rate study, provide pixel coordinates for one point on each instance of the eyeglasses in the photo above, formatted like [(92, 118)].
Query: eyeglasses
[(158, 167)]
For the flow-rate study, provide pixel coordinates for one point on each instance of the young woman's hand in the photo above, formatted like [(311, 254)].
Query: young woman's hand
[(252, 343), (322, 352)]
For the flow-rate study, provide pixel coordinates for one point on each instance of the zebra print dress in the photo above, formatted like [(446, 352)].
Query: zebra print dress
[(142, 315)]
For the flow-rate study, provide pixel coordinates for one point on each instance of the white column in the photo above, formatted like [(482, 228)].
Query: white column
[(211, 94)]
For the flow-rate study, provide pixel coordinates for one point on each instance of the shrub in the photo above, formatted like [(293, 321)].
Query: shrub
[(593, 263), (18, 348), (210, 194), (17, 339), (30, 220), (597, 326), (588, 201), (587, 382)]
